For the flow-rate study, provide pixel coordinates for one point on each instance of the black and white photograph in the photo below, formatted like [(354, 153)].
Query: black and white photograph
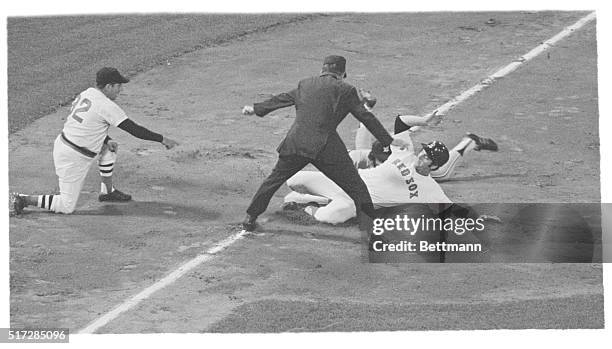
[(338, 171)]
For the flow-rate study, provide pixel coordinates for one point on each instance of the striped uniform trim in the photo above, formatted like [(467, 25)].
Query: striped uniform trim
[(45, 201), (106, 170)]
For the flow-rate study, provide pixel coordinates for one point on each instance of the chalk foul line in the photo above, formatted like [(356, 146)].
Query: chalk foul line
[(491, 79), (167, 280)]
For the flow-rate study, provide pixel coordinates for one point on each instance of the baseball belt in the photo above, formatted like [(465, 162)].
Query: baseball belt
[(81, 150)]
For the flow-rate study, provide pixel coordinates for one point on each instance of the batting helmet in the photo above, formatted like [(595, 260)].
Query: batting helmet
[(437, 152)]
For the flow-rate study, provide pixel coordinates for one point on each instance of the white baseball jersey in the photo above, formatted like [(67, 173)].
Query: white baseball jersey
[(91, 115), (396, 182)]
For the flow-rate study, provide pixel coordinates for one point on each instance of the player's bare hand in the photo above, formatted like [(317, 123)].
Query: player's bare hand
[(169, 143), (398, 142), (248, 110), (112, 146)]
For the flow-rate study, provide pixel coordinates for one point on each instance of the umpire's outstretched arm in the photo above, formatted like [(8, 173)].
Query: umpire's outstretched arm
[(281, 100)]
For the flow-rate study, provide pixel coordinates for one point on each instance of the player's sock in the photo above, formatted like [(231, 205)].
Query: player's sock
[(106, 172), (45, 201), (104, 188)]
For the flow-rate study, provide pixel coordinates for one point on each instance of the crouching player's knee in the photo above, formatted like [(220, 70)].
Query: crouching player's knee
[(64, 205)]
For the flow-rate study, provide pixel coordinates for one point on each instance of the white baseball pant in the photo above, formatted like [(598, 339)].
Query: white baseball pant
[(313, 186), (71, 168)]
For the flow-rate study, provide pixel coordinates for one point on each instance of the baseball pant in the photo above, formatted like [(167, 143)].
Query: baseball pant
[(71, 168), (311, 186)]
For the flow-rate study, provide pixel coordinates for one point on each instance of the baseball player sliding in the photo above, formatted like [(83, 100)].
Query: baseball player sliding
[(394, 176), (371, 156), (403, 178), (369, 153), (85, 138)]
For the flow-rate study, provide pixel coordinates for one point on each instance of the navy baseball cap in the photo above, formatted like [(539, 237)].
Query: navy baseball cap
[(108, 75), (379, 152)]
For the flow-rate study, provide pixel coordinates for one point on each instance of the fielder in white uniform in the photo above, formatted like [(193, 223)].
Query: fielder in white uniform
[(84, 139)]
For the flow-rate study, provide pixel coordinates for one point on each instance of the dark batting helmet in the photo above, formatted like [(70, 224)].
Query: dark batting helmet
[(437, 152)]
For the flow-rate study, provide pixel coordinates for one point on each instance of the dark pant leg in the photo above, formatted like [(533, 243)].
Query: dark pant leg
[(285, 168), (337, 166)]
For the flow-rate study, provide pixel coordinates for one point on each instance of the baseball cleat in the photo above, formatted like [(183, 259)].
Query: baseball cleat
[(16, 204), (115, 196), (483, 143), (250, 223)]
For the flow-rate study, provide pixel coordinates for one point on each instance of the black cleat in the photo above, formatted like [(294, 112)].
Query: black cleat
[(483, 143), (16, 204), (115, 196), (250, 223)]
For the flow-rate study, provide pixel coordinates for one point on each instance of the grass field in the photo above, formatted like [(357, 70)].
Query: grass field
[(52, 59), (67, 271)]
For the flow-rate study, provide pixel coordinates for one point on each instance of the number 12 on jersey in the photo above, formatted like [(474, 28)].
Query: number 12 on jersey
[(80, 105)]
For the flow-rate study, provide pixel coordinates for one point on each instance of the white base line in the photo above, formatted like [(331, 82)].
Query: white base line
[(170, 278), (512, 66)]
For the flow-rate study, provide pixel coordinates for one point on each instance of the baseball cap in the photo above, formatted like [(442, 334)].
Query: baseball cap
[(437, 152), (379, 152), (108, 75), (338, 61)]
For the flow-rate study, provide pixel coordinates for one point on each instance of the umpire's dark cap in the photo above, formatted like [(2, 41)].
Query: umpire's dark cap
[(338, 62), (108, 75)]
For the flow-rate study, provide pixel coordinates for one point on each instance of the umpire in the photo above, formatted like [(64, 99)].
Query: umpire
[(321, 103)]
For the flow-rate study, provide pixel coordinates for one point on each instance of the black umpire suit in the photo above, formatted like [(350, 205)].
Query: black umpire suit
[(321, 103)]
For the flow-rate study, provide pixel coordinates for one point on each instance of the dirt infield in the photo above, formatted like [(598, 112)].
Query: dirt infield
[(67, 271)]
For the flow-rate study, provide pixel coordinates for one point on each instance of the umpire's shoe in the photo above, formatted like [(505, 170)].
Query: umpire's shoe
[(115, 196), (16, 204), (249, 223), (483, 143)]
